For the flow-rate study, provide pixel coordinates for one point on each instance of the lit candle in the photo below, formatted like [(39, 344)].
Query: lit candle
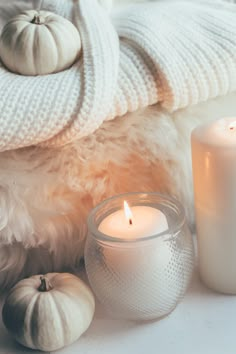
[(142, 221), (138, 260), (214, 172)]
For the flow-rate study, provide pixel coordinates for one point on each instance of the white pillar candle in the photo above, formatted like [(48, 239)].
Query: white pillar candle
[(214, 174)]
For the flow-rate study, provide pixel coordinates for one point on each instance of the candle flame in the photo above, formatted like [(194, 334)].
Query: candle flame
[(128, 213), (232, 125)]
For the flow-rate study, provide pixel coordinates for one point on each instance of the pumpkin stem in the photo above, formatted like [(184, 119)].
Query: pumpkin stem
[(38, 20), (45, 285)]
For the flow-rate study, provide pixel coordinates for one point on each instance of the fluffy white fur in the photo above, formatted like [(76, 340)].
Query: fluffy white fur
[(46, 194)]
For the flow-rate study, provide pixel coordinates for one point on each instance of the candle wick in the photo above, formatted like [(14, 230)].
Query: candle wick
[(130, 222)]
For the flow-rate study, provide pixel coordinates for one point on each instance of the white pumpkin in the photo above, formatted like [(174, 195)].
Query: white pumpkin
[(48, 312), (34, 43)]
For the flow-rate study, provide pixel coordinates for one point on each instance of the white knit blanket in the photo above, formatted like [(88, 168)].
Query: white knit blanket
[(173, 53)]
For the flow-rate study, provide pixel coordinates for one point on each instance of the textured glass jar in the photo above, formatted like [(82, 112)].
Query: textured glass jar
[(144, 278)]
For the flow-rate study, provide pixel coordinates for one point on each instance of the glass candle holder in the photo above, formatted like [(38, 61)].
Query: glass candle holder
[(139, 270)]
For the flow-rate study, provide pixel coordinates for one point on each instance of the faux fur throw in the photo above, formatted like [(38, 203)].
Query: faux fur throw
[(176, 54)]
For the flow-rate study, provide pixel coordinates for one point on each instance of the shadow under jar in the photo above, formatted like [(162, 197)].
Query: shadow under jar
[(134, 274)]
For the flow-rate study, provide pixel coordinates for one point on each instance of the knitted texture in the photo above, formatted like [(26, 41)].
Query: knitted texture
[(177, 54)]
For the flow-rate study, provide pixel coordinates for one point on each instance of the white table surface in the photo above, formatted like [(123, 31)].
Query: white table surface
[(203, 323)]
